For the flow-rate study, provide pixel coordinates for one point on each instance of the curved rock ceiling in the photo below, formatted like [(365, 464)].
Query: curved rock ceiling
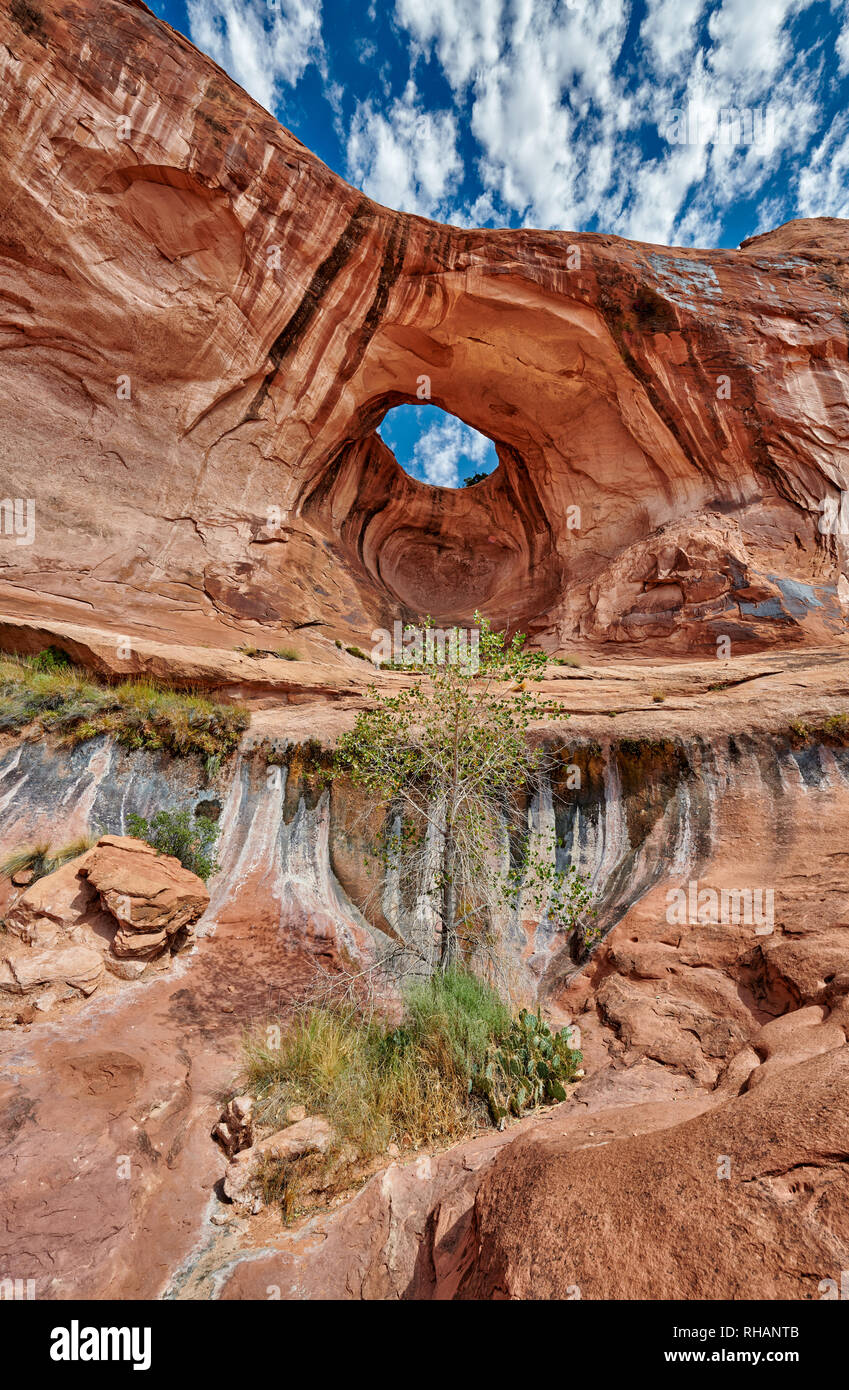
[(669, 423)]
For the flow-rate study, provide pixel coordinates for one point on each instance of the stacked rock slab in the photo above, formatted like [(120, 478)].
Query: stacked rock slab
[(61, 931), (152, 897)]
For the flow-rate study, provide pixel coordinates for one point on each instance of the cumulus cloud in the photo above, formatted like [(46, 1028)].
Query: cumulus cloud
[(668, 30), (824, 182), (404, 156), (572, 127), (465, 35), (546, 114), (264, 44), (751, 41)]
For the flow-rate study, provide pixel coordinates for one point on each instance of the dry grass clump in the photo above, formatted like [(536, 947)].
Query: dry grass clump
[(41, 859), (410, 1085), (458, 1062)]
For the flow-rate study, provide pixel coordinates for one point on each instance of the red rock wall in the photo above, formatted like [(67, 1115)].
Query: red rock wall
[(157, 225)]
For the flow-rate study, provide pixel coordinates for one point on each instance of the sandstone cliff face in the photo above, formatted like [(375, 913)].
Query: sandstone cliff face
[(202, 324), (201, 328)]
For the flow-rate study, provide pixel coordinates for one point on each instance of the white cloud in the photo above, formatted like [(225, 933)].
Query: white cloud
[(561, 128), (465, 34), (669, 29), (440, 450), (547, 113), (404, 157), (843, 40), (751, 40), (481, 212), (824, 182), (263, 44)]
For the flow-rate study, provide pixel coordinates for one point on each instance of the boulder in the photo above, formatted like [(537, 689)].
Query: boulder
[(65, 922), (79, 967), (745, 1201), (152, 897), (53, 905)]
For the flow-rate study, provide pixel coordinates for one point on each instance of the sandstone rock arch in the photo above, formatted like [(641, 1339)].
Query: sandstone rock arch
[(268, 314)]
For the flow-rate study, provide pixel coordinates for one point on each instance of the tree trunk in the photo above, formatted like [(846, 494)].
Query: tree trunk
[(449, 888), (448, 951)]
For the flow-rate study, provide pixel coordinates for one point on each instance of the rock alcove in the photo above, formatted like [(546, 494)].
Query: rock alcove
[(438, 550)]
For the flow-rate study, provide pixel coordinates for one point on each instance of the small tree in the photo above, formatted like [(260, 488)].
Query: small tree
[(451, 758)]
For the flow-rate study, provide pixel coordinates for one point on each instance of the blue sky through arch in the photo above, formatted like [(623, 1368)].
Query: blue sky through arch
[(435, 447), (557, 113)]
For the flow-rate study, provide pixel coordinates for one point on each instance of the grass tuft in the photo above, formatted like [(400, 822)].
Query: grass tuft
[(422, 1084), (43, 858), (66, 701)]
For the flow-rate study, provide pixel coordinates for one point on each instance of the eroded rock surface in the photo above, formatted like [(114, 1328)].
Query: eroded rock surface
[(671, 424), (671, 429), (152, 897), (746, 1201), (242, 1181)]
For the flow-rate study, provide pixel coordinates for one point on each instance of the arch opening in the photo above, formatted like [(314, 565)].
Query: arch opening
[(433, 545)]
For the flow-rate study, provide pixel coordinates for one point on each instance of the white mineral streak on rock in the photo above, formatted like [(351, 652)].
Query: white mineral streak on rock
[(247, 849), (612, 842), (80, 796)]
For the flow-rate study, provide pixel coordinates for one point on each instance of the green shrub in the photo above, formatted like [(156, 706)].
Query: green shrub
[(834, 729), (287, 654), (191, 839), (357, 652), (445, 1070), (51, 659)]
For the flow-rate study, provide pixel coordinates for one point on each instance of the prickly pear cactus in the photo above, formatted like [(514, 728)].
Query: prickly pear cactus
[(529, 1066)]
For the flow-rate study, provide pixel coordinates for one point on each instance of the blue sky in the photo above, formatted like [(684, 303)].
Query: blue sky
[(684, 122), (437, 448)]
